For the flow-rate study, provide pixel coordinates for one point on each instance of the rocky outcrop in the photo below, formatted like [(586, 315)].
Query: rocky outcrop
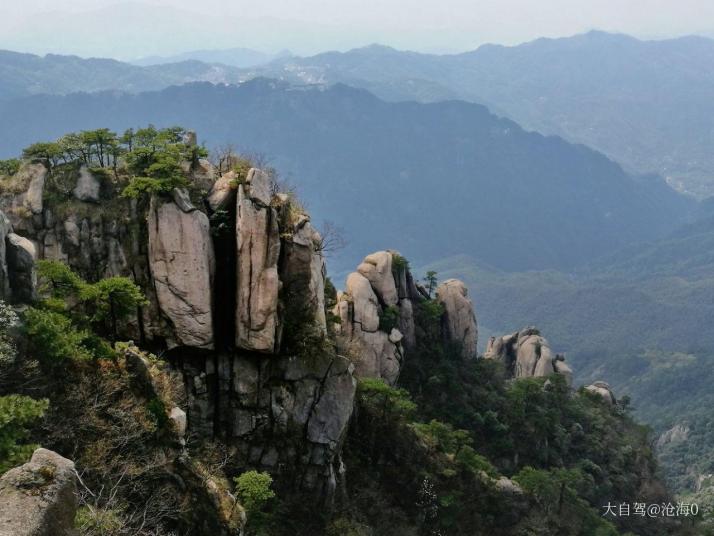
[(603, 390), (21, 256), (222, 195), (182, 265), (5, 230), (527, 354), (679, 433), (375, 307), (88, 187), (283, 412), (38, 498), (377, 268), (459, 320), (37, 174), (303, 271), (258, 243), (280, 412)]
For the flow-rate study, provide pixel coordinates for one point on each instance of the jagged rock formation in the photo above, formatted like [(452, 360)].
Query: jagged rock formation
[(376, 313), (21, 256), (182, 265), (223, 192), (258, 239), (527, 354), (303, 269), (603, 390), (459, 320), (382, 287), (38, 498)]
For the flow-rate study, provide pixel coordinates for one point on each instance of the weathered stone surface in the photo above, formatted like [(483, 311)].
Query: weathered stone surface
[(38, 498), (21, 256), (527, 354), (258, 183), (179, 421), (303, 270), (603, 390), (376, 285), (459, 321), (329, 418), (71, 231), (5, 229), (203, 174), (223, 192), (37, 173), (182, 264), (364, 302), (508, 486), (88, 187), (406, 322), (258, 243), (377, 268)]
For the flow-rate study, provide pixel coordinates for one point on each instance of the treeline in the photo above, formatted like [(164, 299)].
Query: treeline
[(105, 148), (153, 159)]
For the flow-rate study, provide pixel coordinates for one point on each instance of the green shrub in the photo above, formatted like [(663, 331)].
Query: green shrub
[(8, 319), (392, 403), (157, 410), (399, 264), (53, 338), (9, 167), (16, 414), (254, 490), (389, 318)]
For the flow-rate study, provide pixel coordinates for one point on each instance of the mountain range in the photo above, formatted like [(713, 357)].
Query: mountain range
[(514, 199), (645, 104)]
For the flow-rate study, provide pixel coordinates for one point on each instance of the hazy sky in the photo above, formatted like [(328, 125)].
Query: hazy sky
[(148, 27)]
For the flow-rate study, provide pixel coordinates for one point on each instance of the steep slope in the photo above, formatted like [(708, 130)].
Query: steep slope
[(640, 320), (514, 199), (642, 103)]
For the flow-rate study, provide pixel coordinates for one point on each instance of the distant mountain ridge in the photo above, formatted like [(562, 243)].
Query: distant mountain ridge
[(645, 104), (22, 75), (465, 180), (234, 57)]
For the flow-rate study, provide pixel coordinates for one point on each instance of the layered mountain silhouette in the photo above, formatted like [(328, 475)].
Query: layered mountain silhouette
[(440, 179)]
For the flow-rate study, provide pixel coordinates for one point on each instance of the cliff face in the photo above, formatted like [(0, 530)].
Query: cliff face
[(220, 303)]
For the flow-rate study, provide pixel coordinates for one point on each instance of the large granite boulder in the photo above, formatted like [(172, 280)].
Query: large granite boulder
[(222, 195), (21, 256), (603, 390), (377, 268), (88, 187), (459, 320), (527, 354), (258, 243), (39, 498), (182, 263)]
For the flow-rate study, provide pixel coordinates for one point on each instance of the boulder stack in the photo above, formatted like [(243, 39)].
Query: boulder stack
[(526, 354)]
